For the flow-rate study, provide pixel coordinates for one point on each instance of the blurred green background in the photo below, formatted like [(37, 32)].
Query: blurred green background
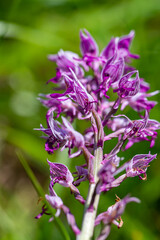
[(29, 30)]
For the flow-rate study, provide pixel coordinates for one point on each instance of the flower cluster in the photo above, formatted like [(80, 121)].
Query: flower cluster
[(83, 88)]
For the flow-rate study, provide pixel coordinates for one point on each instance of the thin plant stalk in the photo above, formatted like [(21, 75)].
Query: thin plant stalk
[(90, 214)]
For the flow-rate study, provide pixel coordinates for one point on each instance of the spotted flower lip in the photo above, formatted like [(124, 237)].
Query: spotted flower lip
[(128, 86), (88, 45)]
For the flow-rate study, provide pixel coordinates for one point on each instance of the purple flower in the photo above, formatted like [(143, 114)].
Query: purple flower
[(66, 60), (61, 136), (117, 123), (58, 106), (57, 203), (139, 164), (88, 44), (128, 86), (135, 127), (54, 200), (139, 102), (76, 139), (57, 137), (113, 215), (111, 73), (81, 175), (140, 130), (124, 44), (133, 131), (59, 173), (110, 49), (113, 70), (108, 172), (121, 45), (81, 92), (115, 211), (77, 92)]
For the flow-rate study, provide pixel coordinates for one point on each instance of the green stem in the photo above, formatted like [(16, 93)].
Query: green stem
[(41, 193), (90, 215)]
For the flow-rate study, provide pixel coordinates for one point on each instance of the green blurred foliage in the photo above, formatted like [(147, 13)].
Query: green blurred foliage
[(29, 31)]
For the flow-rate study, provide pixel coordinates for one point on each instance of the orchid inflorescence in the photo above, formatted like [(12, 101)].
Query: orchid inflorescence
[(83, 92)]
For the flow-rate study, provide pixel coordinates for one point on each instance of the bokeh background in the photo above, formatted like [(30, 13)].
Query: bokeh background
[(29, 31)]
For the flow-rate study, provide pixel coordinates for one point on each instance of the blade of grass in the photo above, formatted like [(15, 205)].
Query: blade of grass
[(41, 193)]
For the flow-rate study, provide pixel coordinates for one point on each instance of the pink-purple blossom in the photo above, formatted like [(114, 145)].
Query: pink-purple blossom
[(93, 87)]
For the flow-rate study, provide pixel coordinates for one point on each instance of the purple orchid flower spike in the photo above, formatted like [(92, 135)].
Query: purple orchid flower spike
[(88, 45), (113, 215), (128, 86), (82, 91), (139, 164)]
